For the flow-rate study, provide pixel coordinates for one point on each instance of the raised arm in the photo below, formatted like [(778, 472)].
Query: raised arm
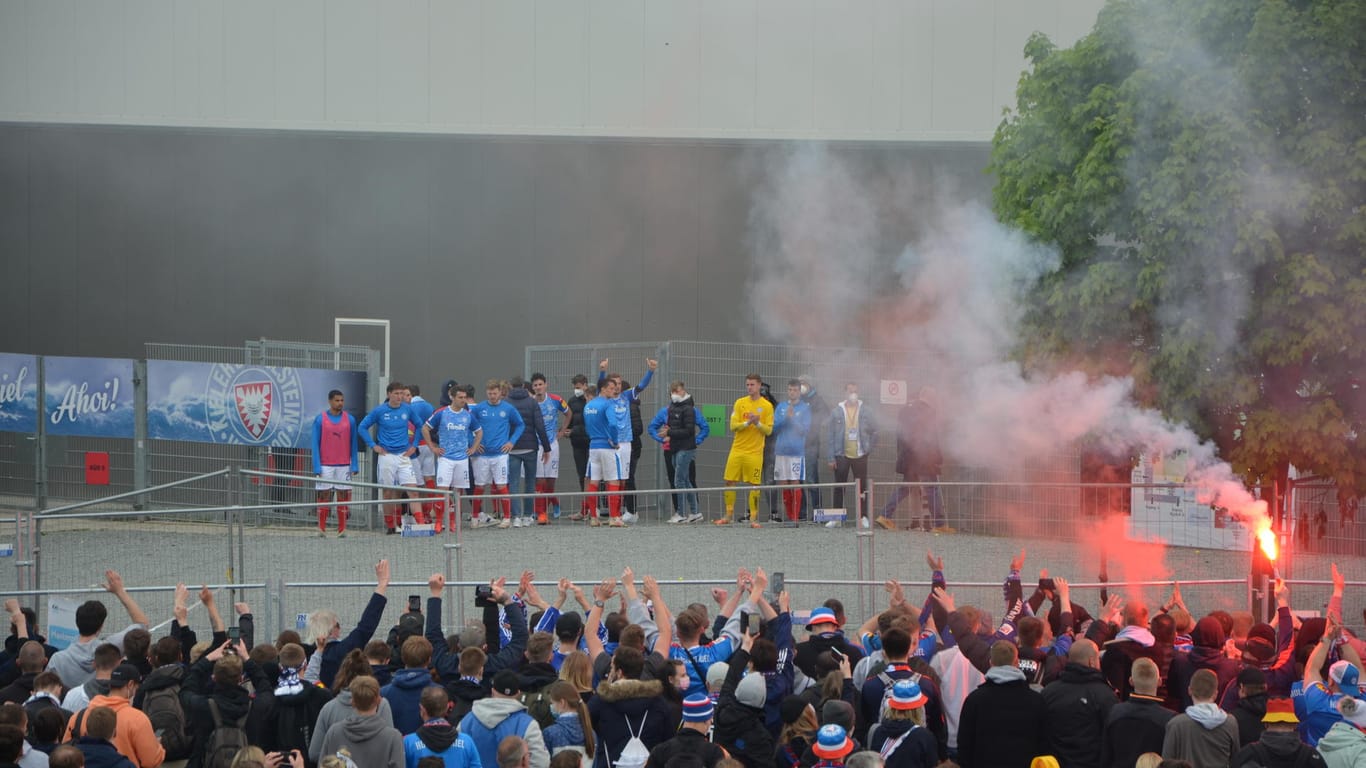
[(664, 635), (602, 592), (113, 583)]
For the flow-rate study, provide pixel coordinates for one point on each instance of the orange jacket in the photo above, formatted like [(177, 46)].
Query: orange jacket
[(133, 735)]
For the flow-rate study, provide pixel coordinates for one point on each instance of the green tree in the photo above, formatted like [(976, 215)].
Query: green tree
[(1201, 165)]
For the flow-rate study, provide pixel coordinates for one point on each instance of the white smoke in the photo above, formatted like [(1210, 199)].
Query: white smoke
[(822, 229)]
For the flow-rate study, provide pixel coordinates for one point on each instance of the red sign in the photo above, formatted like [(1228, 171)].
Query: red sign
[(96, 468)]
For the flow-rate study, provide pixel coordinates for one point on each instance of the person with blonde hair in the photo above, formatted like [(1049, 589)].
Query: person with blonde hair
[(571, 714), (799, 728), (1148, 760), (577, 669), (372, 742), (249, 757)]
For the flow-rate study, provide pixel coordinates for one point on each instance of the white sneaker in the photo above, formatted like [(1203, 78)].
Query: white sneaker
[(629, 517), (695, 517), (506, 523), (485, 521), (677, 518), (832, 524)]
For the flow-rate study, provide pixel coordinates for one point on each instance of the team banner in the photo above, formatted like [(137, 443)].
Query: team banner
[(88, 396), (242, 404), (18, 393)]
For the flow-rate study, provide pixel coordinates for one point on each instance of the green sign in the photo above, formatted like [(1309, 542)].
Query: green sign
[(716, 419)]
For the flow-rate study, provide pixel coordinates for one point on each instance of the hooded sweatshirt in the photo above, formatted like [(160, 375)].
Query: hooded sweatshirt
[(133, 735), (438, 738), (371, 742), (1207, 653), (404, 695), (75, 663), (1002, 722), (1343, 746), (1277, 749), (1203, 735), (493, 719), (335, 711)]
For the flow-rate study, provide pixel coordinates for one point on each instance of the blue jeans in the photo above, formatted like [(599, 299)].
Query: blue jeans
[(523, 464), (682, 473)]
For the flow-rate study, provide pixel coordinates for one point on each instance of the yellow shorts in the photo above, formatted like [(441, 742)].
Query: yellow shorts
[(744, 468)]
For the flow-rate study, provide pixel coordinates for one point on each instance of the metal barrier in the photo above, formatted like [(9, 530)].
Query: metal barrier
[(158, 602)]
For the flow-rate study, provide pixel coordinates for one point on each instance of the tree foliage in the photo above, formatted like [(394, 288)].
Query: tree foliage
[(1201, 165)]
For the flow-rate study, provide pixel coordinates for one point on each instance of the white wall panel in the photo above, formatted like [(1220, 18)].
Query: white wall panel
[(728, 65), (562, 63), (508, 62), (401, 60), (300, 61), (150, 88), (351, 62), (101, 37), (249, 60), (963, 70), (784, 46), (672, 65), (457, 68), (842, 75), (616, 68), (841, 69), (14, 56)]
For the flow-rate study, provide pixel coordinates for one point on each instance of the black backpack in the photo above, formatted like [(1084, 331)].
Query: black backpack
[(162, 707), (226, 740)]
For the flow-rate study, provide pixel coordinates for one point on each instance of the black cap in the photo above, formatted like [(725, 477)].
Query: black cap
[(505, 682), (124, 674), (1251, 676)]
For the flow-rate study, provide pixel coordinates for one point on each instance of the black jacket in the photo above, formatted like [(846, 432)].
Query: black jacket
[(1118, 660), (682, 421), (578, 432), (1134, 727), (808, 650), (534, 435), (100, 753), (917, 750), (1249, 714), (233, 704), (1002, 724), (447, 663), (624, 707), (740, 728), (686, 742), (463, 694), (1276, 750), (295, 714), (1078, 705)]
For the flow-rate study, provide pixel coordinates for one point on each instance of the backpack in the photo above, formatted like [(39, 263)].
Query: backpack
[(225, 741), (538, 706), (634, 754), (887, 682), (162, 707)]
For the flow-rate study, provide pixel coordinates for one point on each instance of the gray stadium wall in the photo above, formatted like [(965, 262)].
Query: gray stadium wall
[(474, 246)]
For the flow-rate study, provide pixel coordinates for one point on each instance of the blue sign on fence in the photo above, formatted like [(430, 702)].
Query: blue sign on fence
[(242, 404), (18, 393), (90, 396)]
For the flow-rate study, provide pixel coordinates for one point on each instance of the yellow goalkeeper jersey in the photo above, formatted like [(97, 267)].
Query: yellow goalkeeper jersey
[(749, 439)]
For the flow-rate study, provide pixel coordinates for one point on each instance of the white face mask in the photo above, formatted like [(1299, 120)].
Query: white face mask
[(578, 393), (677, 398)]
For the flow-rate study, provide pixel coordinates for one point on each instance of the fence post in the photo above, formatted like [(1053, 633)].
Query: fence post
[(139, 432), (280, 604), (229, 515)]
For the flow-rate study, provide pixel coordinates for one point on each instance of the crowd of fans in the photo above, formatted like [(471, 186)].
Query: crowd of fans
[(627, 681)]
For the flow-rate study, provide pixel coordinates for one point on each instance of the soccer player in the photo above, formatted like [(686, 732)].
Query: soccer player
[(548, 469), (334, 459), (424, 462), (454, 433), (395, 448), (502, 425), (603, 422), (627, 403), (752, 422), (791, 423)]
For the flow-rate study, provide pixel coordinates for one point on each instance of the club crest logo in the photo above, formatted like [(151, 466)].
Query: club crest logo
[(254, 405)]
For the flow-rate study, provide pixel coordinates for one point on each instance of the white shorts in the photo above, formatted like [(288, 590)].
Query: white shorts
[(604, 464), (624, 460), (452, 473), (549, 469), (490, 469), (342, 472), (789, 468), (424, 463), (396, 469)]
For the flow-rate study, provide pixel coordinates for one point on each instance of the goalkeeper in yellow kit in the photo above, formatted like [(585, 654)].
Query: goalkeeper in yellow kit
[(752, 422)]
